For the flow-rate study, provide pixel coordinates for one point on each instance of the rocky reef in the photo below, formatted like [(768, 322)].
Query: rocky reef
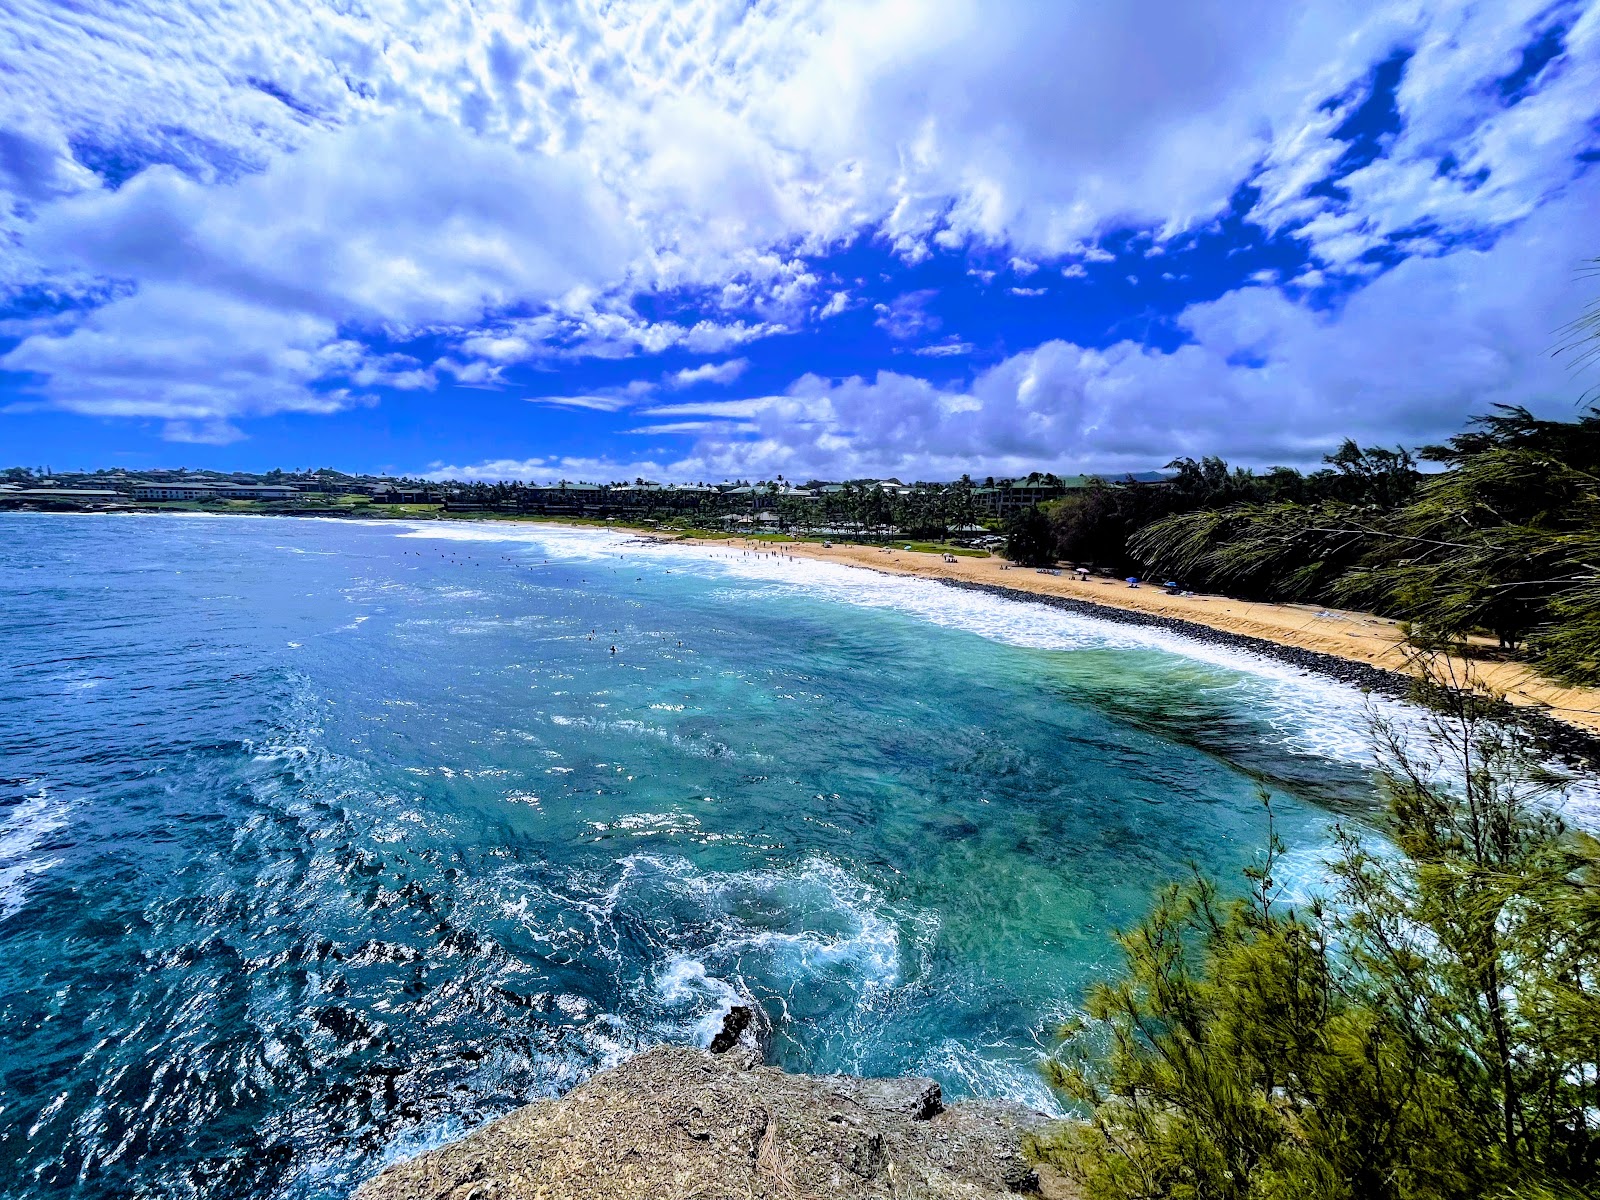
[(682, 1123)]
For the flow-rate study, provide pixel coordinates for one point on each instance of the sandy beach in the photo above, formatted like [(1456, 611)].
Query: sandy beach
[(1354, 636)]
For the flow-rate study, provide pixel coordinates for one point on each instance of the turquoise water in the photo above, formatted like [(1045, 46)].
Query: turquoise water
[(322, 842)]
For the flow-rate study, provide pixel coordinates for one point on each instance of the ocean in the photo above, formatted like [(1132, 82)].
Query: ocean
[(322, 842)]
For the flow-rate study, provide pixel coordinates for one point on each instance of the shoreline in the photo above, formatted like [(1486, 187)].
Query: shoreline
[(1565, 739), (1360, 649)]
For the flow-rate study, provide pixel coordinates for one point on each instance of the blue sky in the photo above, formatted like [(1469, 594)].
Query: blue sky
[(711, 240)]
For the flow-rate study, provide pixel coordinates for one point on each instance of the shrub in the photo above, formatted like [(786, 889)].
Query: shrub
[(1431, 1032)]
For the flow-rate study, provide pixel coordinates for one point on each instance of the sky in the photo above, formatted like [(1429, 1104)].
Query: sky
[(725, 239)]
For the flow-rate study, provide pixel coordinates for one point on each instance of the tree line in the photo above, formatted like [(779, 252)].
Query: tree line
[(862, 508), (1503, 539)]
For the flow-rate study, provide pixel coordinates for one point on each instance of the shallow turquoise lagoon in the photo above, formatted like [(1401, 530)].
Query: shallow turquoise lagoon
[(321, 842)]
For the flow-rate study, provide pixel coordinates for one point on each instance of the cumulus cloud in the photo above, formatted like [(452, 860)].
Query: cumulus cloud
[(506, 178), (1476, 149), (837, 303), (245, 296), (1262, 378), (393, 223), (188, 355), (583, 330)]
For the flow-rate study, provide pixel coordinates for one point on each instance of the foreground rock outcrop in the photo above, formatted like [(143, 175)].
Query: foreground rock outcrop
[(684, 1123)]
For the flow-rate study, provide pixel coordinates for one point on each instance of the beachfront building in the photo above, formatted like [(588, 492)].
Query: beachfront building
[(392, 493), (170, 491), (198, 490), (1010, 496), (256, 491), (562, 497), (760, 496)]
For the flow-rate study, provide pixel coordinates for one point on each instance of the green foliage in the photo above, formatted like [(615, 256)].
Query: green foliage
[(1102, 524), (1029, 540), (1284, 550), (1433, 1033), (1505, 540)]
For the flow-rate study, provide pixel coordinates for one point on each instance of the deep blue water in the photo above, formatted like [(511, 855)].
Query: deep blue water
[(322, 842)]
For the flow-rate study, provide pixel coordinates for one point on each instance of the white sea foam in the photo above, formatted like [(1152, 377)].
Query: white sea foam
[(22, 832), (1309, 713), (1012, 1074), (649, 824), (1312, 714), (834, 920), (685, 982)]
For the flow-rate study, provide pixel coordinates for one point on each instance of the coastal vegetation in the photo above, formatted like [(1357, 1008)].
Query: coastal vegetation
[(1427, 1030), (1500, 540), (1504, 540)]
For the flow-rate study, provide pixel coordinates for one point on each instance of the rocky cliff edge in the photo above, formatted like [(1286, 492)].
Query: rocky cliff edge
[(687, 1124)]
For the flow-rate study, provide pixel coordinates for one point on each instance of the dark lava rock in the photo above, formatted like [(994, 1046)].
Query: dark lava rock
[(746, 1027)]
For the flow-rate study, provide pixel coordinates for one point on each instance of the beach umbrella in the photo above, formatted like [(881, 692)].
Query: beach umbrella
[(1133, 579)]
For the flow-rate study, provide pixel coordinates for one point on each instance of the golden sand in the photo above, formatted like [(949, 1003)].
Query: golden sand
[(1359, 637)]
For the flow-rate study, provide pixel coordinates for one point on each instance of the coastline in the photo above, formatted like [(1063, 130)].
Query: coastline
[(1357, 648), (1361, 649)]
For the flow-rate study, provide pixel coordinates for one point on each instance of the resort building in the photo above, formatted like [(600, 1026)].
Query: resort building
[(170, 491), (1013, 495), (212, 491), (389, 493)]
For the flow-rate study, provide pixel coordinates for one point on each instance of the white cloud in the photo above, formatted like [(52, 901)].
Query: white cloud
[(1464, 161), (188, 355), (1263, 379), (727, 129), (582, 330), (837, 303), (906, 316), (245, 293), (953, 347), (390, 223), (718, 373), (679, 427), (1031, 130), (203, 433), (714, 408), (613, 399), (508, 175)]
